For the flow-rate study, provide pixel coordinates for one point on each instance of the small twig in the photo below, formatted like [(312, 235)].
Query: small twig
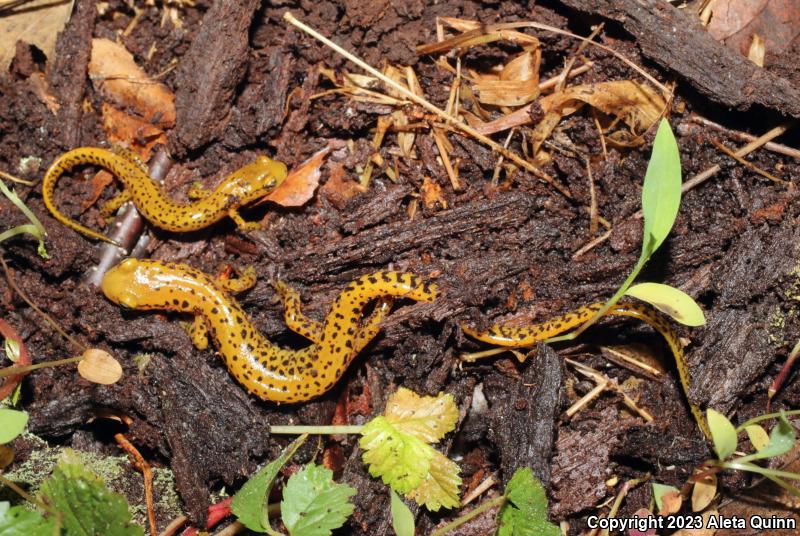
[(623, 492), (453, 121), (747, 164), (139, 463), (782, 375), (12, 178), (565, 73), (484, 506), (33, 306), (743, 136), (593, 216), (487, 483), (698, 179)]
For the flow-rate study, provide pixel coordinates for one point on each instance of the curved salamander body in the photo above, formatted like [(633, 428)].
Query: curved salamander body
[(264, 369), (530, 335), (241, 187)]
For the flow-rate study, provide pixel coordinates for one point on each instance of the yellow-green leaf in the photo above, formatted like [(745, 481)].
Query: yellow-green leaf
[(441, 485), (758, 436), (427, 417), (401, 460), (402, 518), (670, 301), (723, 433)]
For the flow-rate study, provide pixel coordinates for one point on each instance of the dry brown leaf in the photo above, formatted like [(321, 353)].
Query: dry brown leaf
[(517, 84), (100, 180), (43, 91), (757, 50), (98, 366), (431, 193), (704, 492), (734, 22), (116, 75), (125, 129), (637, 104), (36, 22), (6, 456), (301, 183), (339, 187), (670, 503)]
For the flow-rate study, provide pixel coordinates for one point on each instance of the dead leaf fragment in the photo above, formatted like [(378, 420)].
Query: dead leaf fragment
[(339, 187), (38, 23), (301, 183), (734, 22), (670, 503), (115, 74), (431, 193), (98, 366), (131, 132), (704, 492)]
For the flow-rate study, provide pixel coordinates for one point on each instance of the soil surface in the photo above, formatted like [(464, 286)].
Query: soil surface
[(243, 86)]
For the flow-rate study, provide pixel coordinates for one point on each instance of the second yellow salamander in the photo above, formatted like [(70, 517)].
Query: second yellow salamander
[(243, 186), (530, 335), (264, 369)]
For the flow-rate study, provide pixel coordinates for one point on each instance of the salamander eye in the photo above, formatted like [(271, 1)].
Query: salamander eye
[(128, 300), (128, 265)]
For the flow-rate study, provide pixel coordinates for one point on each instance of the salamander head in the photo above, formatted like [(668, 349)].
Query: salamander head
[(255, 180), (133, 283)]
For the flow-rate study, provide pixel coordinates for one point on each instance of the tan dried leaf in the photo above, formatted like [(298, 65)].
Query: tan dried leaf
[(704, 492), (115, 74), (300, 183), (98, 366), (37, 22)]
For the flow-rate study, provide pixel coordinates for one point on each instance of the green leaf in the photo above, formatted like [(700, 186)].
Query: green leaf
[(86, 506), (402, 518), (440, 487), (525, 513), (670, 301), (19, 521), (722, 433), (659, 490), (12, 423), (661, 192), (758, 436), (401, 460), (249, 504), (313, 504), (781, 440)]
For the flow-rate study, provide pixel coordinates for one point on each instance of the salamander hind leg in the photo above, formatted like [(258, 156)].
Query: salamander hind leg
[(112, 205), (294, 317), (198, 331), (372, 325)]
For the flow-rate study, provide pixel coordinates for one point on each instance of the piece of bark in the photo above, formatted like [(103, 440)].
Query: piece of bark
[(210, 73), (736, 347), (67, 74), (676, 40), (524, 413)]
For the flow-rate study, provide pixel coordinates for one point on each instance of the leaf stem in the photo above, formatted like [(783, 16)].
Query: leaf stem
[(13, 371), (765, 417), (734, 464), (457, 522), (316, 430)]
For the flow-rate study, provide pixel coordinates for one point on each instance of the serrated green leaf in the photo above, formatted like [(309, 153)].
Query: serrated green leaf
[(781, 440), (670, 301), (429, 418), (19, 521), (86, 506), (313, 504), (402, 518), (12, 423), (758, 436), (661, 192), (440, 487), (525, 513), (249, 504), (723, 434), (659, 490), (401, 460)]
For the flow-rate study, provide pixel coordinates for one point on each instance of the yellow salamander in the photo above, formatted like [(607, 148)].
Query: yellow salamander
[(247, 184), (530, 335), (264, 369)]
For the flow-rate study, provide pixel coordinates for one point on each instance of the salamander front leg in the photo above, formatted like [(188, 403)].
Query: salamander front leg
[(245, 280), (244, 226)]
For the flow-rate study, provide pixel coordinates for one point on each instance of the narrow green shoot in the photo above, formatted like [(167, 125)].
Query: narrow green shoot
[(35, 228)]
